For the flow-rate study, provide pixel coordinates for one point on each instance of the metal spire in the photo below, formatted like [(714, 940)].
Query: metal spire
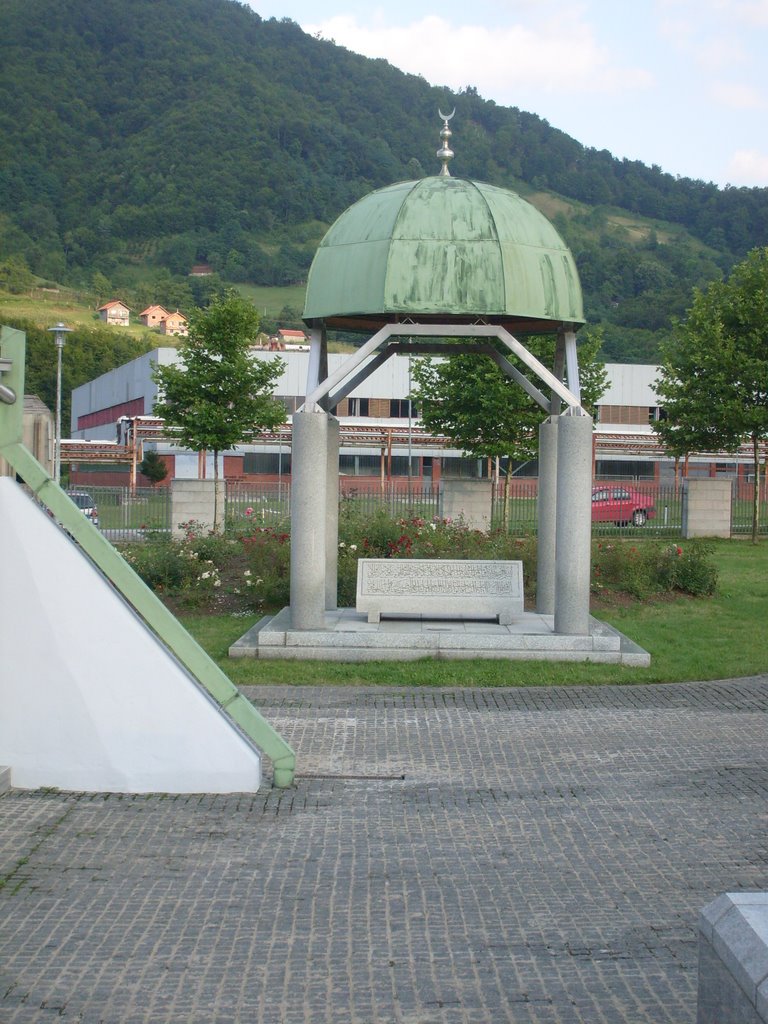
[(445, 153)]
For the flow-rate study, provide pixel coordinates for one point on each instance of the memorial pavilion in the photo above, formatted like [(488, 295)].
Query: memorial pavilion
[(410, 266)]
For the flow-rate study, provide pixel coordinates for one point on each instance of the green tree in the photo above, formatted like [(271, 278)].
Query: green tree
[(153, 467), (714, 370), (15, 276), (101, 286), (219, 394), (487, 415)]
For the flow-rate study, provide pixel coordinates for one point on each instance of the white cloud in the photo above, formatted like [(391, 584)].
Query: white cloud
[(748, 167), (707, 31), (561, 54), (750, 12), (699, 12), (737, 97)]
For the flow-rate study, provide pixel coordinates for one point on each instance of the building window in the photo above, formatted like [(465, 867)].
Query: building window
[(267, 463), (401, 409), (359, 465), (358, 406), (623, 469), (463, 468)]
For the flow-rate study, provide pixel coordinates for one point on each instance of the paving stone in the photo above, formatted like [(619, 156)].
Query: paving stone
[(447, 856)]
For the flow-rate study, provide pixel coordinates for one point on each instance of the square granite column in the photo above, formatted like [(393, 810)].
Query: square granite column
[(332, 516), (547, 517), (574, 523), (309, 489)]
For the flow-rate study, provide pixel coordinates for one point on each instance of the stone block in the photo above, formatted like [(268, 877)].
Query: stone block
[(474, 589), (733, 960), (196, 500), (706, 508), (468, 500)]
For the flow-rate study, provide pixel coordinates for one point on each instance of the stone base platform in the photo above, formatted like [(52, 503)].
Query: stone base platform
[(348, 636)]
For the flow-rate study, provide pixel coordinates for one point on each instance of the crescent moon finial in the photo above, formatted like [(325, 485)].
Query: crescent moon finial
[(445, 153)]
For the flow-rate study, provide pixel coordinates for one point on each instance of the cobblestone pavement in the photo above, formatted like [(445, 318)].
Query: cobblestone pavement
[(446, 857)]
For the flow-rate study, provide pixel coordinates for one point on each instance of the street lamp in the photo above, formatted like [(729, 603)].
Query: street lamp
[(59, 336)]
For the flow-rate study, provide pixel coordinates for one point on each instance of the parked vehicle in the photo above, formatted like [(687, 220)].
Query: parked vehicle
[(86, 504), (621, 505)]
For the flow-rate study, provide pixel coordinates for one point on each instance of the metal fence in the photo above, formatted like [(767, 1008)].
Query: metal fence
[(742, 510), (267, 504), (124, 514), (399, 501)]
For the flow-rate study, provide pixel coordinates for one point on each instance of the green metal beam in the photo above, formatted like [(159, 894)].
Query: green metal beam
[(147, 605)]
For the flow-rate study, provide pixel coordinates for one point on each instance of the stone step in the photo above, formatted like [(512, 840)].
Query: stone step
[(5, 779), (348, 636)]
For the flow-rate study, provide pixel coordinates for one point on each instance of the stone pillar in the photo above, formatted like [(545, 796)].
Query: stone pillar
[(707, 508), (309, 470), (332, 516), (573, 523), (547, 517), (195, 501), (468, 500)]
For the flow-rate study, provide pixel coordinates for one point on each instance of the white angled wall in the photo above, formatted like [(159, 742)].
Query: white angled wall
[(89, 699)]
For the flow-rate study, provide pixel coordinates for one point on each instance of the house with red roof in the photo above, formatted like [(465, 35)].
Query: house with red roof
[(115, 312), (174, 323), (152, 315)]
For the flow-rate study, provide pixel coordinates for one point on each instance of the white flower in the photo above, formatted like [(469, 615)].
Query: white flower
[(342, 544), (217, 583), (353, 547), (205, 576), (247, 572)]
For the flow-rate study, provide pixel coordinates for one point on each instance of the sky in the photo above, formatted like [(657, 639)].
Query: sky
[(680, 84)]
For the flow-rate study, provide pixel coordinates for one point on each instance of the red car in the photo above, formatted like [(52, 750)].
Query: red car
[(621, 505)]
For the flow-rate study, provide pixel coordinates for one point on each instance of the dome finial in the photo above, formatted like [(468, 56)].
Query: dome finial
[(445, 153)]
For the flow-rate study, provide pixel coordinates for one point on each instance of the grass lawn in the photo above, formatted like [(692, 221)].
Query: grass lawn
[(270, 301), (48, 308), (688, 638)]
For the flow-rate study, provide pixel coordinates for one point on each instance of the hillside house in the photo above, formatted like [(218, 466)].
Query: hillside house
[(115, 312), (201, 270), (174, 323), (152, 315), (292, 338)]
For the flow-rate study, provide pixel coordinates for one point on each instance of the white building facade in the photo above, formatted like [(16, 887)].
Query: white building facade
[(381, 433)]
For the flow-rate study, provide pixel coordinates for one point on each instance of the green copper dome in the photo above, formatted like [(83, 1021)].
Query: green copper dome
[(443, 247)]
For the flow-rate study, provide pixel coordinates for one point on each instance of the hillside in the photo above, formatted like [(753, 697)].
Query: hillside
[(139, 137)]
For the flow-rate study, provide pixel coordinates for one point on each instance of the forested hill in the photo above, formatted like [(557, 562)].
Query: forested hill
[(176, 131)]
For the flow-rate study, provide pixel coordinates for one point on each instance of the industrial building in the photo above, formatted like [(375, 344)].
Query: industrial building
[(382, 437)]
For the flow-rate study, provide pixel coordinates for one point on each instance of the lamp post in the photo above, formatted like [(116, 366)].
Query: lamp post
[(59, 336)]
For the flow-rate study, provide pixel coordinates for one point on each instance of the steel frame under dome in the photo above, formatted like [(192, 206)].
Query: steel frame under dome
[(563, 575)]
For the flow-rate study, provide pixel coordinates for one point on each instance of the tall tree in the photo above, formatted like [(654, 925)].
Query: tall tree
[(487, 415), (219, 394), (714, 371), (153, 467)]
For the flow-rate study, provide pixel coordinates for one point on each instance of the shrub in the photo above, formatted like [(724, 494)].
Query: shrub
[(174, 569), (248, 569), (642, 570), (267, 556), (692, 570)]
